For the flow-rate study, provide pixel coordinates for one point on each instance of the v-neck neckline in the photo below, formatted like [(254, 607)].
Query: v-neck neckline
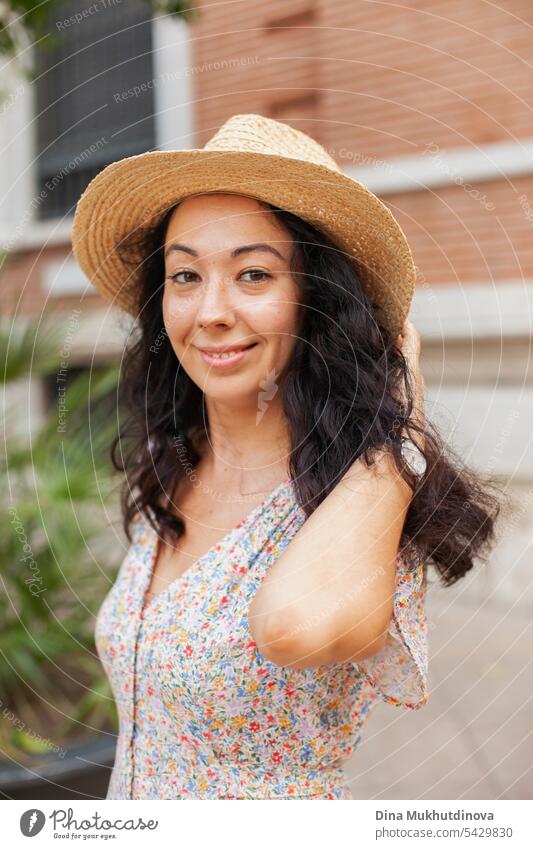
[(153, 552)]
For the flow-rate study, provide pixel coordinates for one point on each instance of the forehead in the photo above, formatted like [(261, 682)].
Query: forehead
[(224, 221), (199, 214)]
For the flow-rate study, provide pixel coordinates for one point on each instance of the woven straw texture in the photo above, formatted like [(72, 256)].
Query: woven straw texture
[(254, 156)]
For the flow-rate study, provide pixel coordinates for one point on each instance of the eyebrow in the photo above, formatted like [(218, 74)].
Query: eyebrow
[(244, 249)]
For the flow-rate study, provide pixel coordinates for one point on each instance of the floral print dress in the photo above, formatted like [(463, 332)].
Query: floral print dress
[(202, 714)]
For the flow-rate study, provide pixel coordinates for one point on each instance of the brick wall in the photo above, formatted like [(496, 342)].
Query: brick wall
[(22, 291), (382, 80), (454, 237), (370, 81), (368, 75), (448, 72)]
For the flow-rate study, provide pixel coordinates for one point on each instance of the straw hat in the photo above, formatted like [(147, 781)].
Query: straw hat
[(264, 159)]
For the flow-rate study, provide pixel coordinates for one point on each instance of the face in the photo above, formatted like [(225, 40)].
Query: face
[(228, 283)]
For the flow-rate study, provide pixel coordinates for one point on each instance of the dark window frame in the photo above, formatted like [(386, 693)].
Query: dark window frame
[(83, 120)]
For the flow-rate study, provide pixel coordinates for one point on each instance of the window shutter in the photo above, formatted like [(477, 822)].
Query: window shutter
[(88, 113)]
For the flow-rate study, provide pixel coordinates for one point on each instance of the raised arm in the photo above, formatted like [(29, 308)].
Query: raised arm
[(329, 596)]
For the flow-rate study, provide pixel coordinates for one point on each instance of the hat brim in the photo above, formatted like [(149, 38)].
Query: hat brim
[(137, 191)]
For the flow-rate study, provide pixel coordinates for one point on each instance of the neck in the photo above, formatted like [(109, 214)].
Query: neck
[(247, 450)]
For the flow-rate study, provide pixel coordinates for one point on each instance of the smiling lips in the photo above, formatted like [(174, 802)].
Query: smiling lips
[(227, 357)]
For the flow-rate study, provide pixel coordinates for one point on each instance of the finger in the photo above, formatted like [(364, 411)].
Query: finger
[(413, 337)]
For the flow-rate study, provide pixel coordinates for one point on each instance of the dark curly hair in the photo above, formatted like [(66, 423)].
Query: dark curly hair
[(338, 395)]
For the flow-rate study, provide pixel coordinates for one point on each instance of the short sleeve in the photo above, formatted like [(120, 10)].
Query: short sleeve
[(398, 671)]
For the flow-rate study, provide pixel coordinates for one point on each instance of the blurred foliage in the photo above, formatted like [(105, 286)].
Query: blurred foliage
[(56, 486), (55, 489), (17, 357)]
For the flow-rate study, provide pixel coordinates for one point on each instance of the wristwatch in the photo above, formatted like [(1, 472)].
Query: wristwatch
[(413, 457)]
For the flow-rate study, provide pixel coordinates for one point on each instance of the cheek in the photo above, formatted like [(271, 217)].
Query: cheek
[(177, 319), (278, 317)]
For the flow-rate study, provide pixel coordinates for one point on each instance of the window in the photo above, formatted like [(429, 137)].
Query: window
[(94, 96)]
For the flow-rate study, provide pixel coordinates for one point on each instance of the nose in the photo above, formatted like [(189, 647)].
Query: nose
[(215, 305)]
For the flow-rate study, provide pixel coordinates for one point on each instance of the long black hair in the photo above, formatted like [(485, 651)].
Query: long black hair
[(339, 395)]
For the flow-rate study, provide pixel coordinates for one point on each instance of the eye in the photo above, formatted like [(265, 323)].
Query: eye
[(257, 271), (258, 276), (175, 276)]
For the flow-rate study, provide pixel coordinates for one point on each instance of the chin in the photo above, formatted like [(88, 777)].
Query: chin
[(230, 390)]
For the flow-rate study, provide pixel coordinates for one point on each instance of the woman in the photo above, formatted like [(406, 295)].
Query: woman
[(280, 524)]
